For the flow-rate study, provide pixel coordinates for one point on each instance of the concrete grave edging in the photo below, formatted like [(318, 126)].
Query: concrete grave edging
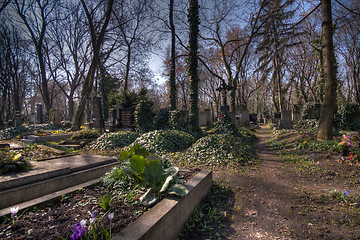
[(167, 218)]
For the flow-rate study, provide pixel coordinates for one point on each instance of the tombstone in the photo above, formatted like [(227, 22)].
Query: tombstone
[(122, 118), (39, 113), (205, 118), (286, 120), (242, 116), (253, 118), (18, 119), (55, 117), (98, 118)]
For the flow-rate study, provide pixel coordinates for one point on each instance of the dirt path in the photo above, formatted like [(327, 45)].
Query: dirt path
[(268, 200), (259, 202)]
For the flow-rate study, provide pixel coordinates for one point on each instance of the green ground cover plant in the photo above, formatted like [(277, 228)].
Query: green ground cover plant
[(113, 140), (164, 141)]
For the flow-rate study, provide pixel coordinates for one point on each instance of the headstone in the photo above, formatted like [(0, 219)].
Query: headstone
[(122, 118), (18, 119), (56, 117), (253, 118), (98, 119), (242, 116), (286, 120), (39, 113), (205, 118)]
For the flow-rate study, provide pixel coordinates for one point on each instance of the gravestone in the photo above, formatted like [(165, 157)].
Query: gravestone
[(98, 118), (253, 118), (123, 118), (39, 113), (242, 118), (55, 117), (205, 118), (286, 120), (18, 119)]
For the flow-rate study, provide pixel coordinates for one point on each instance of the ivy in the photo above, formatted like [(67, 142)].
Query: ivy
[(144, 116)]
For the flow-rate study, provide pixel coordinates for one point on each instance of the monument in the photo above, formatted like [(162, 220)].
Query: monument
[(39, 113), (98, 118)]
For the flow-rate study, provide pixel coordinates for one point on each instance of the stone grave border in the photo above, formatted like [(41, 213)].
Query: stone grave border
[(167, 218), (164, 221)]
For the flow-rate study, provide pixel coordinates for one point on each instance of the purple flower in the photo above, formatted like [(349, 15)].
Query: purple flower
[(346, 193), (79, 230)]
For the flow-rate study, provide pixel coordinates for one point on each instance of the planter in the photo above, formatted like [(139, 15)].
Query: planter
[(167, 218)]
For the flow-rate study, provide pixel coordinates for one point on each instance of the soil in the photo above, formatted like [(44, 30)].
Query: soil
[(55, 219), (277, 200)]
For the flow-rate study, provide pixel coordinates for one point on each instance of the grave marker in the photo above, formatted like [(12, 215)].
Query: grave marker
[(39, 113), (98, 118)]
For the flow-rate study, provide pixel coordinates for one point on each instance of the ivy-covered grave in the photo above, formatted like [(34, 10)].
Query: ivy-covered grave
[(223, 145), (139, 181)]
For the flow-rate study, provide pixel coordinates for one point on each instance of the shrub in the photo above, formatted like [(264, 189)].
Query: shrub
[(178, 120), (350, 117), (144, 116), (307, 125), (162, 119), (165, 141), (113, 140), (311, 110), (85, 134)]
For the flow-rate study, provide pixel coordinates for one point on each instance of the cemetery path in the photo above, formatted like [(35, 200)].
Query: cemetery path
[(261, 198), (265, 196)]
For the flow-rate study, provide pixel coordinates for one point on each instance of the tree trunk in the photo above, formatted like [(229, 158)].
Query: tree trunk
[(172, 63), (127, 70), (193, 18), (328, 107)]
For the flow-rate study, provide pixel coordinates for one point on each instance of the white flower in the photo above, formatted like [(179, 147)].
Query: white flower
[(111, 216), (82, 222), (14, 211)]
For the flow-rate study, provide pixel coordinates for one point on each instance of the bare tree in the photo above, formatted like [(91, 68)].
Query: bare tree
[(36, 15), (97, 28)]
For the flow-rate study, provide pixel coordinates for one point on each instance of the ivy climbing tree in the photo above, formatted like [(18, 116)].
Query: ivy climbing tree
[(193, 19)]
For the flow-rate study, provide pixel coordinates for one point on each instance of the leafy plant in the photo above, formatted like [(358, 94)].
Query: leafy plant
[(151, 172), (105, 201)]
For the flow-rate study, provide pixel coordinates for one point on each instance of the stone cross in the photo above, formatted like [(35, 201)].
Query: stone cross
[(223, 89)]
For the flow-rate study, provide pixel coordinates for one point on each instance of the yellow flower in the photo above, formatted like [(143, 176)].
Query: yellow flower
[(306, 142), (17, 157)]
